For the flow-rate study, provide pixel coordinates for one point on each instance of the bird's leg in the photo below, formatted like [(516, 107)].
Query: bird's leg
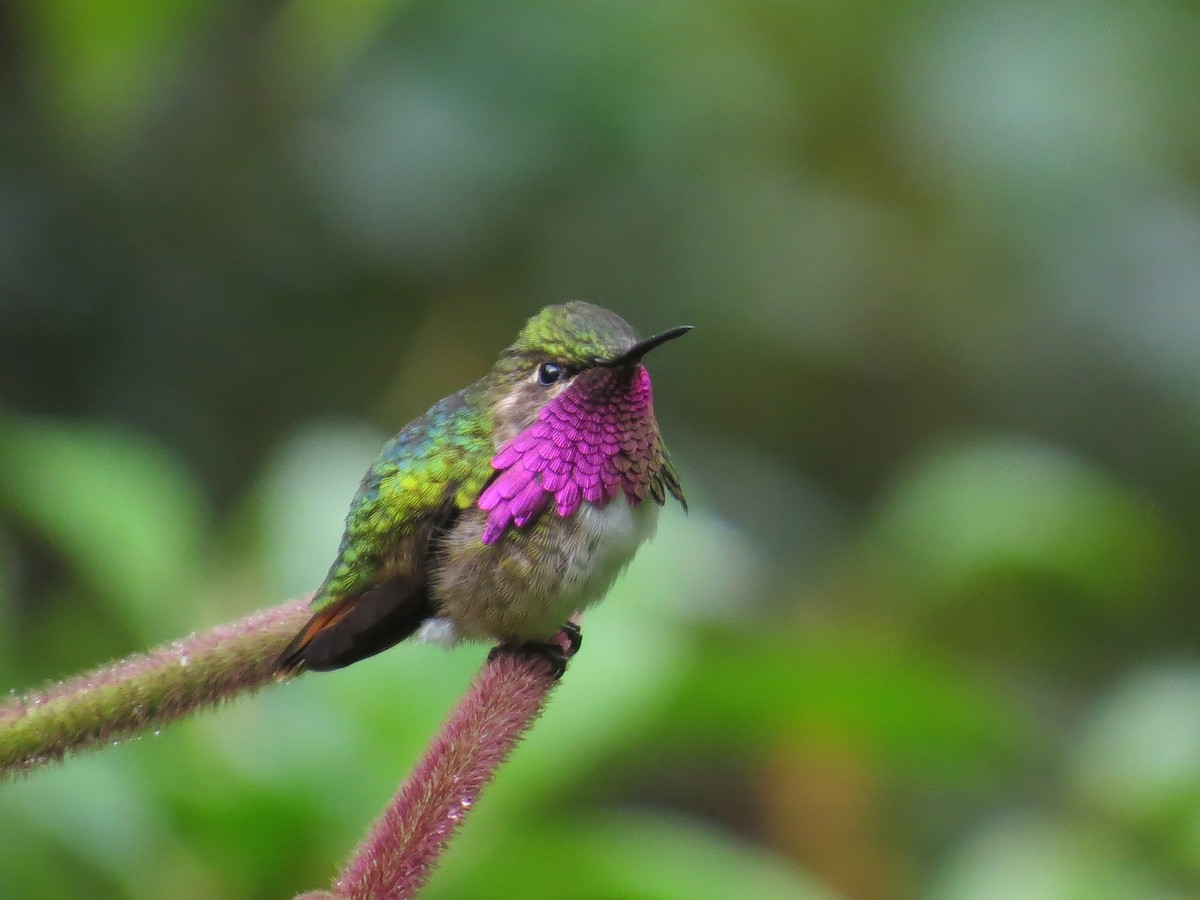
[(553, 652)]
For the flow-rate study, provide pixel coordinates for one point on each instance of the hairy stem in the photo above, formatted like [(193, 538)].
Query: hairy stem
[(144, 691), (398, 854), (149, 690)]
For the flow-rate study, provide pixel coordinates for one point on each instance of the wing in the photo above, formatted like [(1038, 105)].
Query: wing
[(377, 590)]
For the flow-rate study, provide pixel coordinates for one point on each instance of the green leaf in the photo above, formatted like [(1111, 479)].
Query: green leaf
[(1037, 858), (1137, 758), (626, 856), (905, 703), (106, 61), (124, 514), (1002, 505)]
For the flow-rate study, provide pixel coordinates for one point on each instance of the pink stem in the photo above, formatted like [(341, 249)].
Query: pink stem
[(400, 851)]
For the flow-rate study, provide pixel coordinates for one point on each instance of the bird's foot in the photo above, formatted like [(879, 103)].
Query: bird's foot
[(574, 637), (552, 652)]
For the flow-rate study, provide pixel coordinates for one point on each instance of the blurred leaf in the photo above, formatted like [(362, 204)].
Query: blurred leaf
[(318, 39), (9, 564), (1035, 101), (122, 512), (95, 809), (305, 491), (106, 61), (629, 856), (990, 507), (905, 703), (1036, 858), (698, 567), (1137, 758)]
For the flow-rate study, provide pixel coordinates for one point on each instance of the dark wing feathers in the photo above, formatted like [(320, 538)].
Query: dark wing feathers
[(360, 627), (377, 590)]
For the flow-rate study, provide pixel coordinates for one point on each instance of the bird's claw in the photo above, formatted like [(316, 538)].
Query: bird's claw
[(552, 652), (574, 637)]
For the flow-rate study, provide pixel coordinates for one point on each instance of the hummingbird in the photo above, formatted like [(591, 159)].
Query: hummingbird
[(507, 507)]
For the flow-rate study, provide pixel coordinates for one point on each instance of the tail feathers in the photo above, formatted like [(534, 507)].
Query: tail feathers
[(292, 659), (357, 627)]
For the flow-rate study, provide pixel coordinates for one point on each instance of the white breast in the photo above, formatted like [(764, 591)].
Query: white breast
[(527, 589), (608, 537)]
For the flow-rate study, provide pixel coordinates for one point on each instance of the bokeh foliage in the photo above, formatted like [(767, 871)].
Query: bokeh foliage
[(930, 629)]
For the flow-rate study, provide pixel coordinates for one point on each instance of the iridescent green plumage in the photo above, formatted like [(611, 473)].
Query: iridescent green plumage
[(432, 469), (576, 333)]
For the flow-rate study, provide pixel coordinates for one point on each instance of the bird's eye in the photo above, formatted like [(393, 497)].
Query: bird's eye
[(549, 372)]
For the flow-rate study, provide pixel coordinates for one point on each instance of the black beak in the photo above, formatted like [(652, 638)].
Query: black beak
[(634, 354)]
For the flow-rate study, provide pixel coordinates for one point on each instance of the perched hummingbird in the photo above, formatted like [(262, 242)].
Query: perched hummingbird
[(508, 506)]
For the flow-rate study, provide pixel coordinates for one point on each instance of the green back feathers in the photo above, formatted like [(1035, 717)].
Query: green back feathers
[(436, 466)]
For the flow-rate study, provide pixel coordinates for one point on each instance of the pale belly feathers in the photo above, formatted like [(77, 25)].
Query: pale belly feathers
[(531, 581)]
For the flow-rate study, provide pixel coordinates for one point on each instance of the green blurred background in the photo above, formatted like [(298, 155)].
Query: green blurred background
[(930, 630)]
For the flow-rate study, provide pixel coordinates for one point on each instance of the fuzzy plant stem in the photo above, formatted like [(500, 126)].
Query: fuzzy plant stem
[(398, 854), (144, 691)]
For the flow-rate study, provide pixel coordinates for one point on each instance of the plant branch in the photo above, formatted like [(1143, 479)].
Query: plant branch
[(149, 690), (145, 690), (398, 854)]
